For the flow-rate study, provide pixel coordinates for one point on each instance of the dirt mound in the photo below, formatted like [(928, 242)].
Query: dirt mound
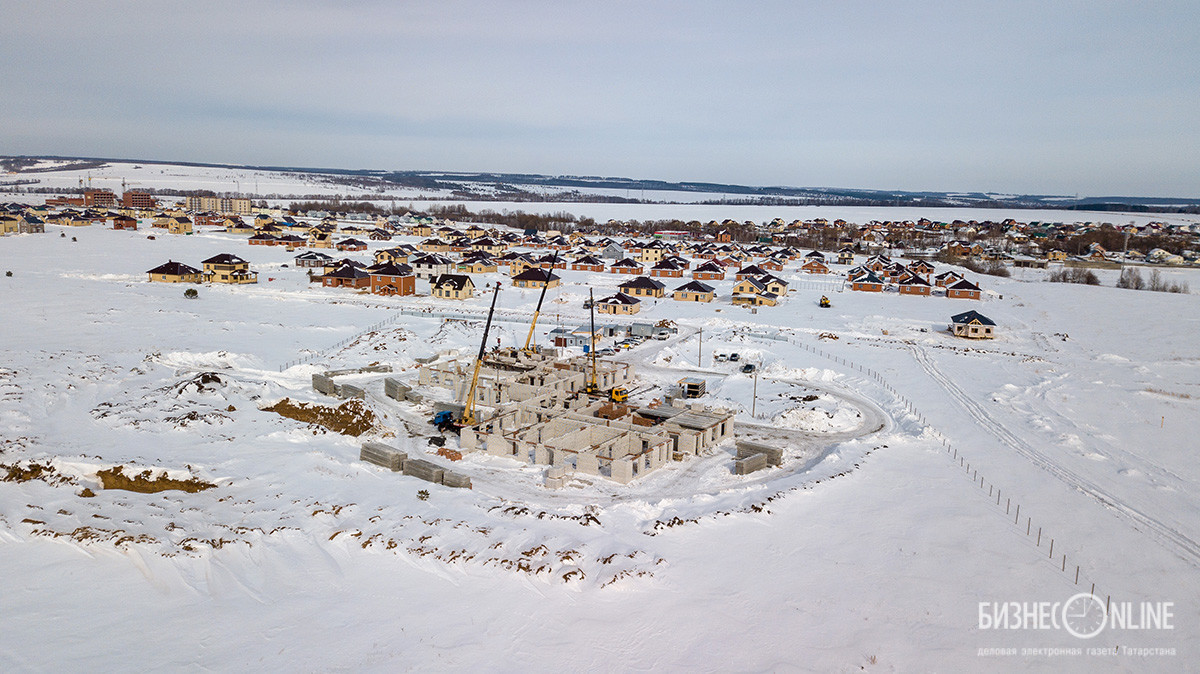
[(350, 418), (33, 471), (145, 483)]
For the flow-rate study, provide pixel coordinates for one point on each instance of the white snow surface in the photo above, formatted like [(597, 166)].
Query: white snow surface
[(870, 549)]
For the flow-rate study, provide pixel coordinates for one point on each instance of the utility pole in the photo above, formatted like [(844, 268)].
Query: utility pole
[(1125, 248), (699, 345), (754, 401)]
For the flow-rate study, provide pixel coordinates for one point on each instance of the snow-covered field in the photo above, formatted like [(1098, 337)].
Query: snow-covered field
[(870, 549)]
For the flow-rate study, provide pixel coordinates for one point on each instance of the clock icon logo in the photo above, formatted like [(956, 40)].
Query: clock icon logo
[(1084, 615)]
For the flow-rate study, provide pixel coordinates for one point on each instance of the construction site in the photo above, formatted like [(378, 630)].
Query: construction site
[(570, 413)]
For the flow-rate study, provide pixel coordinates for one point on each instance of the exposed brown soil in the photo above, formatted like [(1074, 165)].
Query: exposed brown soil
[(350, 418), (448, 453), (144, 483), (33, 471)]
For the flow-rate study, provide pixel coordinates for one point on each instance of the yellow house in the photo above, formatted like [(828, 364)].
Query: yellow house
[(180, 225), (1056, 255), (452, 286), (477, 266), (174, 272), (536, 277), (651, 252), (694, 291), (643, 286), (749, 286), (619, 304), (227, 268)]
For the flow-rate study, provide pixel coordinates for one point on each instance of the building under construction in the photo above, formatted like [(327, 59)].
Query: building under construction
[(535, 407)]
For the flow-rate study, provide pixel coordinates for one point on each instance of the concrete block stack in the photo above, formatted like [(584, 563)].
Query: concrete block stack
[(556, 477), (394, 389), (746, 449), (456, 480), (383, 455), (324, 385), (749, 464), (424, 470), (348, 391)]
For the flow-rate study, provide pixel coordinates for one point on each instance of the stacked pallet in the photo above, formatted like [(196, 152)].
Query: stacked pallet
[(383, 455), (424, 470), (456, 480)]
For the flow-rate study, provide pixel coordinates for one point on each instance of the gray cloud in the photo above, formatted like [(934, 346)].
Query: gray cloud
[(1082, 97)]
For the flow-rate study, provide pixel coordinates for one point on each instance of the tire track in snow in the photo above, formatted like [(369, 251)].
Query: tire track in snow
[(1184, 546)]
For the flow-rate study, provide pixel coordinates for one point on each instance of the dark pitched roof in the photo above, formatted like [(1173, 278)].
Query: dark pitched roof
[(347, 271), (972, 315), (627, 262), (174, 268), (455, 281), (390, 269), (536, 274), (431, 259), (313, 255), (224, 258), (964, 285), (695, 287), (643, 282), (619, 298), (753, 270)]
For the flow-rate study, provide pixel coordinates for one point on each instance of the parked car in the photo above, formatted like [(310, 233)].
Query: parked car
[(734, 357), (749, 368), (720, 357)]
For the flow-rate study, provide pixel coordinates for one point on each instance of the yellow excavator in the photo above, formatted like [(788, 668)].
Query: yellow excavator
[(824, 303)]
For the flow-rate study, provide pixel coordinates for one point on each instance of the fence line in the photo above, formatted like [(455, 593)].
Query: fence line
[(953, 453)]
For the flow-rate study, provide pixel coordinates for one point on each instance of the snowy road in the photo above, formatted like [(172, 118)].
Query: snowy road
[(1183, 545)]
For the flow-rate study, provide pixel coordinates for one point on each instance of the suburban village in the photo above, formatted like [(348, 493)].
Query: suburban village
[(564, 402)]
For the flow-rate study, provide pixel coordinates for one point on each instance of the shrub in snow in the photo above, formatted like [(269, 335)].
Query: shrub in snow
[(191, 293)]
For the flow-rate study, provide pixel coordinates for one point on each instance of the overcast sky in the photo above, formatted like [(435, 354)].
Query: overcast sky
[(1092, 97)]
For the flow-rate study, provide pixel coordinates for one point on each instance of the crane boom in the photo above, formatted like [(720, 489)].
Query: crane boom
[(541, 297), (468, 415)]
